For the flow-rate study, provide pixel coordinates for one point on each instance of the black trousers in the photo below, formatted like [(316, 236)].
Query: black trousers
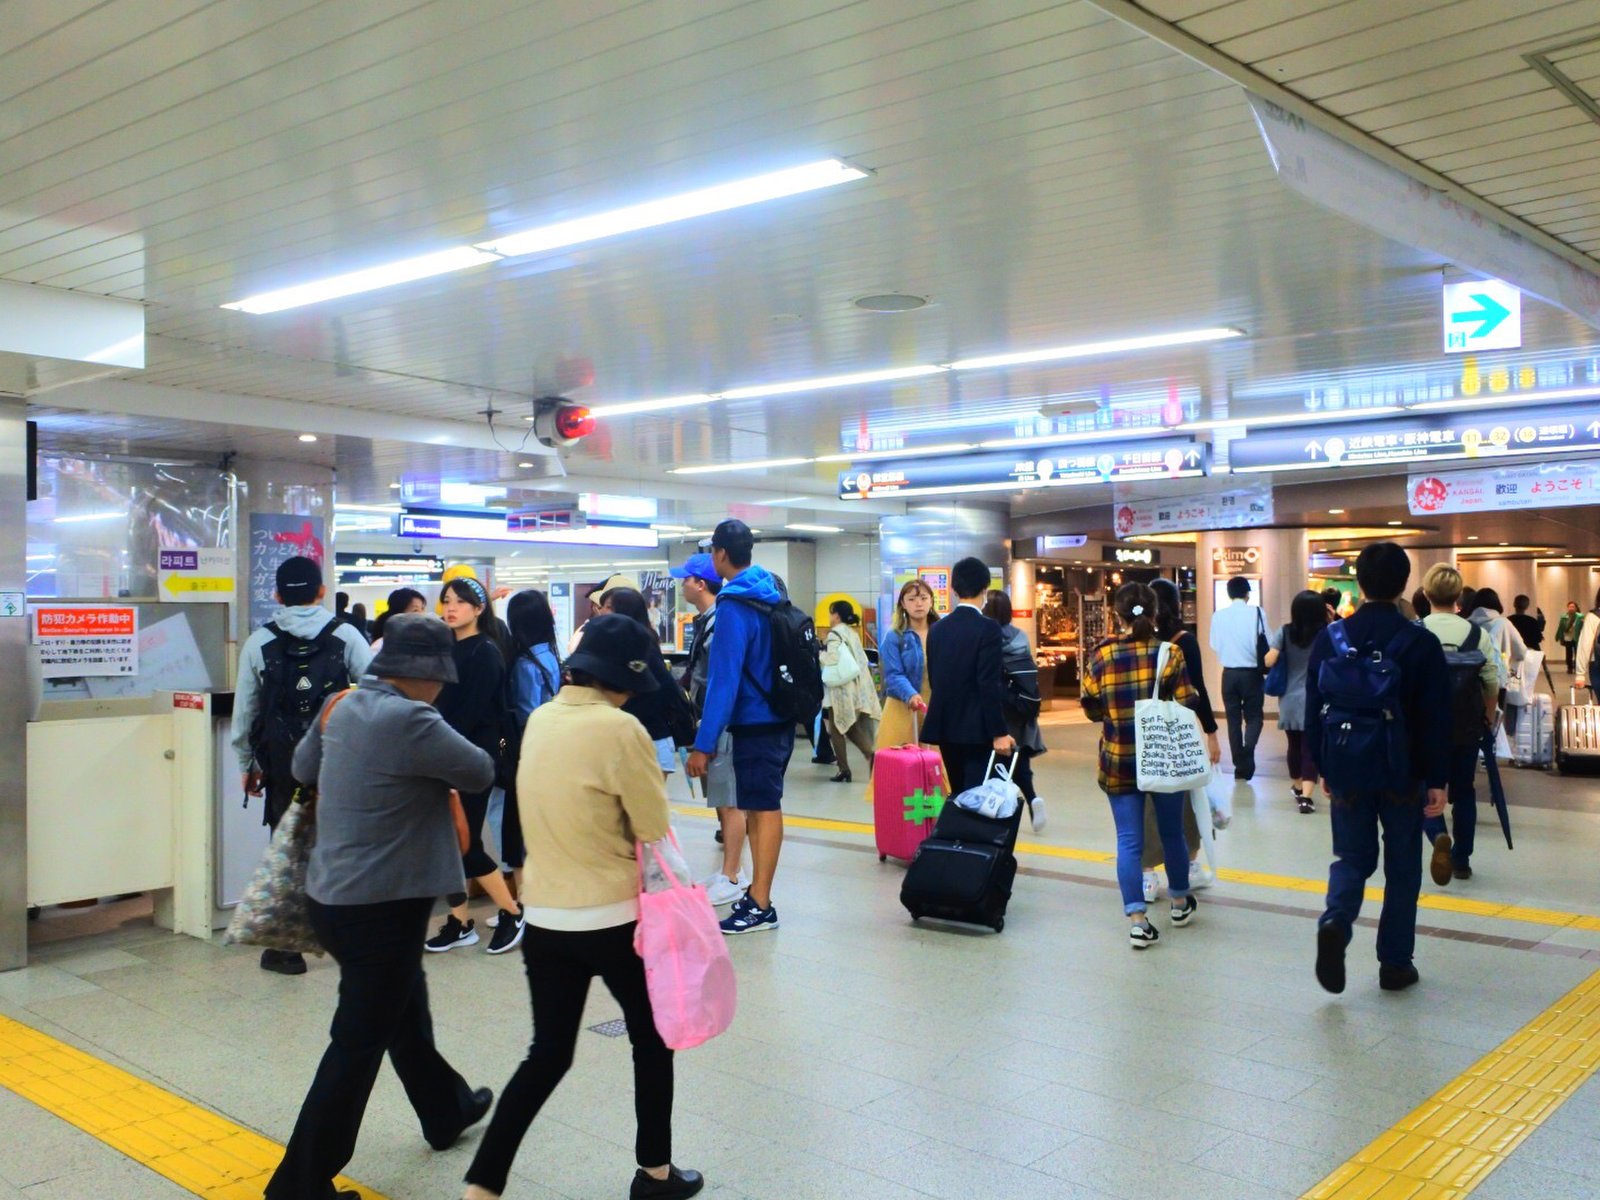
[(560, 966), (383, 1008), (1243, 698), (964, 766)]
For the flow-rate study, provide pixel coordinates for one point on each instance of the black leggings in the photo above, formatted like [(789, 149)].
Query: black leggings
[(1301, 764), (476, 862), (560, 966)]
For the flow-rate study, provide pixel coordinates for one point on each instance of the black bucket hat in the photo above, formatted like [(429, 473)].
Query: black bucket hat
[(416, 646), (615, 651)]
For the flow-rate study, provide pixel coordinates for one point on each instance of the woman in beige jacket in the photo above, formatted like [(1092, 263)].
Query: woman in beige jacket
[(589, 790), (850, 708)]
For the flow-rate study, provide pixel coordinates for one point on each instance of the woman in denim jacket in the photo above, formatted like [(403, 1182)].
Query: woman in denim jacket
[(903, 655)]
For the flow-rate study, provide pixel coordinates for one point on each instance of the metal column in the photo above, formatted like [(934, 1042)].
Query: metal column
[(13, 669)]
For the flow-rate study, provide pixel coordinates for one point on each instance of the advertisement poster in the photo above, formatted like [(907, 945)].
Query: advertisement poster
[(660, 591), (87, 640), (1545, 485), (196, 576), (561, 608), (938, 580), (1236, 509), (275, 538)]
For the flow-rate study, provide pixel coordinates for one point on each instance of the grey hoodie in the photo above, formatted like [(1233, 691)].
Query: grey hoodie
[(305, 621)]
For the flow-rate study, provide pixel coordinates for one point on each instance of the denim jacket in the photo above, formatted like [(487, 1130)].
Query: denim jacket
[(903, 662)]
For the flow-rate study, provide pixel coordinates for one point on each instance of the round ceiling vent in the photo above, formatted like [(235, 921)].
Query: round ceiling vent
[(891, 302)]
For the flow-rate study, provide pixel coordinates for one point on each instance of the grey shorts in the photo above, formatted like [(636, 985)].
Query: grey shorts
[(718, 784)]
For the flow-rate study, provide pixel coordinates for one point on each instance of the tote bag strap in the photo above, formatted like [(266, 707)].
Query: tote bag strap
[(1161, 668)]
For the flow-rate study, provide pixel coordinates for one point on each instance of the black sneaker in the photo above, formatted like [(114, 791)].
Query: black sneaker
[(1397, 979), (451, 934), (1142, 935), (678, 1185), (1182, 913), (477, 1108), (507, 931), (1330, 957), (283, 962)]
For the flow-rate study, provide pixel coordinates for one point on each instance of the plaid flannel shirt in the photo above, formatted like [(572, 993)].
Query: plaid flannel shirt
[(1120, 673)]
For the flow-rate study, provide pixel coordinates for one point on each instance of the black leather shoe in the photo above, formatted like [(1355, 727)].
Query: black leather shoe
[(1397, 979), (477, 1108), (1330, 957), (841, 777), (678, 1185), (283, 962)]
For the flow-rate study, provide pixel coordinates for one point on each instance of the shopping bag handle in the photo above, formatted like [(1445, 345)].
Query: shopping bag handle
[(638, 853)]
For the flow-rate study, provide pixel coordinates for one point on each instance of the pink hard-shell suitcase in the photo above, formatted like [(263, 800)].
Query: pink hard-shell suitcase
[(907, 793)]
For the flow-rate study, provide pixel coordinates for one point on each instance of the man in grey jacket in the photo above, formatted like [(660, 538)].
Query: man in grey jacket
[(384, 764), (287, 669)]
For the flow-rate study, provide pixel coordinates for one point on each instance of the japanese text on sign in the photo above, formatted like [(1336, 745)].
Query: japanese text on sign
[(1545, 485), (80, 641)]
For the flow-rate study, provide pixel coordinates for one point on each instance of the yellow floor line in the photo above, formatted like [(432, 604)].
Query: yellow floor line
[(1469, 1127), (198, 1150), (1553, 918)]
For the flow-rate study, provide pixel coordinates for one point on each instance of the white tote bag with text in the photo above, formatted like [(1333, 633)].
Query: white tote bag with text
[(1169, 747)]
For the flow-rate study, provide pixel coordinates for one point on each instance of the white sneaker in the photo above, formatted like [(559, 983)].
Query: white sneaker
[(1152, 887), (1037, 808), (722, 890), (1200, 877)]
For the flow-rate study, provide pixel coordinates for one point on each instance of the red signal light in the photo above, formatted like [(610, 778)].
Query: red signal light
[(574, 422)]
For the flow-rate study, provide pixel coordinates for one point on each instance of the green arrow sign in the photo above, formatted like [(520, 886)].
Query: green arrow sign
[(1489, 313)]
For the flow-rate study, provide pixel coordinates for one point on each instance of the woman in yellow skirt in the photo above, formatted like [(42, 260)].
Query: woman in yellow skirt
[(903, 656)]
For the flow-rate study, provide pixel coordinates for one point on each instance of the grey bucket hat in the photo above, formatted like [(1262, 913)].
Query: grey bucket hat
[(416, 646)]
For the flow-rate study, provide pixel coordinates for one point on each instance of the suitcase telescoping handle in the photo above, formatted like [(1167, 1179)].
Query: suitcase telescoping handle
[(1010, 770)]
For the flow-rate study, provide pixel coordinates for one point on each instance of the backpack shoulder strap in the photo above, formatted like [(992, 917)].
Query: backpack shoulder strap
[(1472, 640), (1339, 637), (327, 713), (1403, 638)]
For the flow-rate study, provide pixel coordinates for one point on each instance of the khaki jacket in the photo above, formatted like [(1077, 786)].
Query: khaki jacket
[(858, 698)]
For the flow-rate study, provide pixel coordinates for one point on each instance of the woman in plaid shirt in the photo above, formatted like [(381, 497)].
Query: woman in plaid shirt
[(1120, 672)]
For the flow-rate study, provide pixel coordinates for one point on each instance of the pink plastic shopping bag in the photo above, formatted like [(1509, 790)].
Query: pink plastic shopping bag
[(686, 965)]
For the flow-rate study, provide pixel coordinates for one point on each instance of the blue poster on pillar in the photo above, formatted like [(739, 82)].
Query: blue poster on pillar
[(274, 538)]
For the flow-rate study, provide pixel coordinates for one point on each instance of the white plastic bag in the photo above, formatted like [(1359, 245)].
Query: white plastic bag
[(1221, 801), (656, 854), (996, 796), (1169, 748)]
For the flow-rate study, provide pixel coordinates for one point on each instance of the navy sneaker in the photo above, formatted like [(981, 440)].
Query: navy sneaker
[(746, 917)]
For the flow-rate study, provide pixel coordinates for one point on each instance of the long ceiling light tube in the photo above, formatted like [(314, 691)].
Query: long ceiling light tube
[(1095, 349), (757, 465)]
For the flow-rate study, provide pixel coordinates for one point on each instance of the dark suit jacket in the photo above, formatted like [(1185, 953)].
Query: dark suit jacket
[(964, 667)]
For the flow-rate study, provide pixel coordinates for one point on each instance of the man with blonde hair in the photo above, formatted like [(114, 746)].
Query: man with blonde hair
[(1474, 691)]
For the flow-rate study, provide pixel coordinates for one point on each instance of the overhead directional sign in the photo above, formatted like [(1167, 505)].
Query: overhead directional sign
[(1482, 434), (1063, 466), (1482, 314)]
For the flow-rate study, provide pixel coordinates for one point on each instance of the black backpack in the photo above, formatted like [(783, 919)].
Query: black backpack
[(297, 677), (795, 691), (1468, 723)]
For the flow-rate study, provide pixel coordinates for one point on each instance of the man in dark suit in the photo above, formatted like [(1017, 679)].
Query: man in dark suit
[(966, 716)]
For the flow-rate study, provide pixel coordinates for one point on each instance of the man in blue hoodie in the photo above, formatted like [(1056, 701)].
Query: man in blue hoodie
[(736, 703)]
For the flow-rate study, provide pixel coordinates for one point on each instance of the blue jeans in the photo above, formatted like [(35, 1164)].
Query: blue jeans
[(1463, 806), (1356, 821), (1127, 810)]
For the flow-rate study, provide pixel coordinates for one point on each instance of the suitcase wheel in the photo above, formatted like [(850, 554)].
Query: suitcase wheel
[(915, 914), (883, 858), (999, 924)]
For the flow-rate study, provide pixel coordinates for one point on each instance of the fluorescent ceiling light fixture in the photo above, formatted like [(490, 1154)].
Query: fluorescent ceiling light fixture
[(84, 517), (308, 437), (1339, 512), (758, 189), (777, 500), (1507, 400), (1068, 439), (757, 465), (629, 407), (407, 270), (887, 375), (902, 452), (814, 528), (1157, 341), (367, 508), (670, 528)]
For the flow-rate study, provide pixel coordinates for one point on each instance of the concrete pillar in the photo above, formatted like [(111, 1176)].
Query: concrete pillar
[(14, 669), (938, 535), (279, 489), (1276, 561)]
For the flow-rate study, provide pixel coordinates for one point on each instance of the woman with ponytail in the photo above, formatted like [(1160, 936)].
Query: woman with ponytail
[(1122, 671)]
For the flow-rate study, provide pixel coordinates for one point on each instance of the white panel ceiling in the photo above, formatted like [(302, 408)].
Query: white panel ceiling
[(1044, 173)]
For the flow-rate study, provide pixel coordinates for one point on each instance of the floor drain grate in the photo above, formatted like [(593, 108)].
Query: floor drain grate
[(617, 1028)]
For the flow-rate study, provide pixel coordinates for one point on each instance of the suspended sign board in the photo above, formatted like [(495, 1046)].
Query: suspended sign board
[(1481, 315), (196, 576), (1235, 509), (1167, 458), (1482, 434), (1541, 485)]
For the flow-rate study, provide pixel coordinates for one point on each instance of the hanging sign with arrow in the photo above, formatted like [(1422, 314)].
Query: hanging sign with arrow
[(1481, 314)]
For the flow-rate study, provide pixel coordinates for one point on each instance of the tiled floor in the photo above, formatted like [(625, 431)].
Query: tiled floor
[(875, 1059)]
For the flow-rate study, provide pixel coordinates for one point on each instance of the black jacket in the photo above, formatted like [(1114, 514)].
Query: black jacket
[(659, 711), (475, 705), (964, 668)]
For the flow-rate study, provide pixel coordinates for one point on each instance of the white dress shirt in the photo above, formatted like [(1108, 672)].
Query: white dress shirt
[(1233, 635)]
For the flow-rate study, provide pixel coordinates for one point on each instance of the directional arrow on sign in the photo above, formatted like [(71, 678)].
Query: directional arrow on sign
[(1488, 315), (1314, 449)]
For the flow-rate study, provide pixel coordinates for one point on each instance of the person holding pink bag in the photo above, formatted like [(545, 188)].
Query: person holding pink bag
[(589, 791)]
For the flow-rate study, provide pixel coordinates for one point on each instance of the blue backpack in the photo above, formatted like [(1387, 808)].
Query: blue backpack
[(1365, 745)]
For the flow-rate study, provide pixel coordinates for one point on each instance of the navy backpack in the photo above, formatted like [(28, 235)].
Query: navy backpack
[(1366, 747)]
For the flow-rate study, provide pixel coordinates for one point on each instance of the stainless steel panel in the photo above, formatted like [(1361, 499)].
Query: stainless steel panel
[(13, 668)]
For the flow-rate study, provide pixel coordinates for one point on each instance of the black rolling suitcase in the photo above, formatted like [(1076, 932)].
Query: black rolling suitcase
[(964, 871)]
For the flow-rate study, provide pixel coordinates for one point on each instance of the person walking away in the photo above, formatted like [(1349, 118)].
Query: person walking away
[(287, 668), (851, 709), (585, 812), (1234, 634), (1568, 630), (1474, 701), (1588, 675), (966, 716), (533, 678), (1169, 628), (1532, 627), (739, 686), (1021, 677), (664, 711), (401, 600), (474, 706), (1381, 747), (1120, 672), (1308, 616), (701, 586), (903, 657), (1488, 614), (383, 763)]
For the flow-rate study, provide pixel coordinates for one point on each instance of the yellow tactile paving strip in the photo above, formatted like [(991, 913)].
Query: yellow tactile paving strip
[(199, 1151), (1452, 1142), (1553, 918)]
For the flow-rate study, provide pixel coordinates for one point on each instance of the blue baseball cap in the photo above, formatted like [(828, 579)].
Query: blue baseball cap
[(699, 566)]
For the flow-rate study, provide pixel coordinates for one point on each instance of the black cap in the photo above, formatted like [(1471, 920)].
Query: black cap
[(615, 651), (299, 581), (734, 538), (416, 646)]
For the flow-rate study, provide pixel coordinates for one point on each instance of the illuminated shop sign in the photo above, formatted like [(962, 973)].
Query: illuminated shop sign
[(1131, 556), (389, 568), (1066, 466), (1414, 439)]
